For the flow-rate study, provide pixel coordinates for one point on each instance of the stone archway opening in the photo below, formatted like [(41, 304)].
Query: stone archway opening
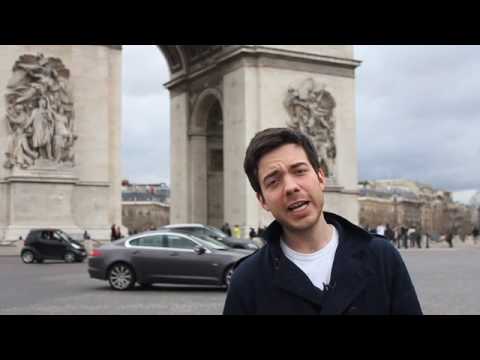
[(215, 176)]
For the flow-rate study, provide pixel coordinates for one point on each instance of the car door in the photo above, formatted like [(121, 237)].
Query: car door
[(148, 256), (188, 267), (50, 247), (58, 246)]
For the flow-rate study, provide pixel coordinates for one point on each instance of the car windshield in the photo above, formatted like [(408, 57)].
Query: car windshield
[(209, 242), (63, 236), (216, 232)]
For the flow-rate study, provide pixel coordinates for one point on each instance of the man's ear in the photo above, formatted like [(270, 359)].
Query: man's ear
[(321, 177), (262, 202)]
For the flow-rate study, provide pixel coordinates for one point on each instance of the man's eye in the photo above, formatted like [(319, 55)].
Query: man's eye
[(301, 171), (271, 182)]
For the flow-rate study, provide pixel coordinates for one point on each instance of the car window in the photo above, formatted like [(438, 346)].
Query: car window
[(178, 242), (150, 241), (56, 237), (215, 232)]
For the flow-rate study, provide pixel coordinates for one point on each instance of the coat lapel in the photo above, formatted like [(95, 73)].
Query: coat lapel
[(350, 273), (291, 279), (348, 279)]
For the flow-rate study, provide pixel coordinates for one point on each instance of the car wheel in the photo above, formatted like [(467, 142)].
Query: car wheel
[(227, 278), (69, 257), (121, 277), (28, 257)]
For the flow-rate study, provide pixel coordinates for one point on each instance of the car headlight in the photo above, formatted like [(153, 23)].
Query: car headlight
[(75, 246), (252, 246)]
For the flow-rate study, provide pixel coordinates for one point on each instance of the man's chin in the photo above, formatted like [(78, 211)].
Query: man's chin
[(299, 225)]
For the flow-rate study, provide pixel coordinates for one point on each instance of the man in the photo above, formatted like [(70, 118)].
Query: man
[(389, 233), (314, 262)]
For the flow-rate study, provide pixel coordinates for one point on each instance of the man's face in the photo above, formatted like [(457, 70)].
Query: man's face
[(291, 189)]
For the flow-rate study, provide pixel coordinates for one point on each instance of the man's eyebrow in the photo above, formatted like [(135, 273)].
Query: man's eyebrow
[(294, 166), (270, 175)]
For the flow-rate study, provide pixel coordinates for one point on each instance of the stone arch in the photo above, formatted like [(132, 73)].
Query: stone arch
[(207, 98), (207, 154)]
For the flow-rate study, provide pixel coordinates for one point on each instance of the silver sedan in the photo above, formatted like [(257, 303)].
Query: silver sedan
[(164, 257)]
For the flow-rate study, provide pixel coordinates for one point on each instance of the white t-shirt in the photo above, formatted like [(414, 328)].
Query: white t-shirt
[(318, 265)]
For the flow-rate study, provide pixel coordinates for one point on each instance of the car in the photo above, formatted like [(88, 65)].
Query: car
[(164, 257), (216, 234), (51, 244)]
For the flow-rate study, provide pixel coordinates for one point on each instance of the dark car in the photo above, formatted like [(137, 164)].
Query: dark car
[(51, 244), (163, 257), (204, 231)]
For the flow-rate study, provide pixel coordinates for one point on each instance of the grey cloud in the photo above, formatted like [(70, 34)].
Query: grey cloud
[(417, 114), (145, 70)]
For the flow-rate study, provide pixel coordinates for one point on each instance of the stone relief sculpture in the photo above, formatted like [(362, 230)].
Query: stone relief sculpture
[(310, 107), (40, 113)]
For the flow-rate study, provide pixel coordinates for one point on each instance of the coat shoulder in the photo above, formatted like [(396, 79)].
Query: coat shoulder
[(247, 268), (382, 247)]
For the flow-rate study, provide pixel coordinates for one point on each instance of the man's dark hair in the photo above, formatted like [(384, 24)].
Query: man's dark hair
[(269, 140)]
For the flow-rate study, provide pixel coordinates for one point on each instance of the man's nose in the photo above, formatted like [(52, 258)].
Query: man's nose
[(291, 185)]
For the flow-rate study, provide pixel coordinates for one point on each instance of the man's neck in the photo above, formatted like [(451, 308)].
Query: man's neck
[(310, 240)]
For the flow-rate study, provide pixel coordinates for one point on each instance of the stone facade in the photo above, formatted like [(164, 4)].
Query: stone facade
[(410, 204), (221, 96), (86, 194), (250, 84), (140, 216)]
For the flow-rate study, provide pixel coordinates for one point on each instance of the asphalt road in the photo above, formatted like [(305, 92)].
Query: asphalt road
[(447, 282)]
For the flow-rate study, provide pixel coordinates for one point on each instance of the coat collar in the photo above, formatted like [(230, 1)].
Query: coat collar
[(349, 274)]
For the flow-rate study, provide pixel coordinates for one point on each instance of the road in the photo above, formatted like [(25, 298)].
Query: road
[(447, 282)]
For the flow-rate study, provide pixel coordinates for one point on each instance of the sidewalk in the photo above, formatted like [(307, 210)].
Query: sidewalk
[(15, 248), (11, 250)]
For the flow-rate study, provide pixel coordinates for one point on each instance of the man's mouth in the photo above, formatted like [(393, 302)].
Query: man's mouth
[(298, 206)]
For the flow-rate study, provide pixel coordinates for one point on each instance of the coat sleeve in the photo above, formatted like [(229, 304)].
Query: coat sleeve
[(234, 304), (238, 294), (404, 299)]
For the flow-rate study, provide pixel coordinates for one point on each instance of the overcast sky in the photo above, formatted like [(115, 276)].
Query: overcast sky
[(418, 114)]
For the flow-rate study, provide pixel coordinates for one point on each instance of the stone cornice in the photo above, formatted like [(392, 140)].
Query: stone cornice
[(264, 56), (115, 47)]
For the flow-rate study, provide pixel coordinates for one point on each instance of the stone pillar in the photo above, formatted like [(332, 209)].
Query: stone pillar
[(86, 195), (198, 181), (180, 159)]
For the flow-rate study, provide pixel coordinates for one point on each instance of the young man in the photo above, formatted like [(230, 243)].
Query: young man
[(314, 262)]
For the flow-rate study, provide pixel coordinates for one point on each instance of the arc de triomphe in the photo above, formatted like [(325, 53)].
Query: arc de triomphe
[(61, 124)]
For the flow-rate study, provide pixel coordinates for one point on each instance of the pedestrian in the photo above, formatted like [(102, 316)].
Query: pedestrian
[(449, 238), (475, 234), (119, 233), (226, 229), (381, 230), (389, 234), (427, 240), (252, 233), (411, 236), (237, 232), (404, 236), (260, 231), (418, 238), (294, 273), (113, 233), (86, 235)]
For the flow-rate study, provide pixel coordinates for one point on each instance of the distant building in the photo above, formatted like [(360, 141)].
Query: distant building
[(411, 204), (145, 206)]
